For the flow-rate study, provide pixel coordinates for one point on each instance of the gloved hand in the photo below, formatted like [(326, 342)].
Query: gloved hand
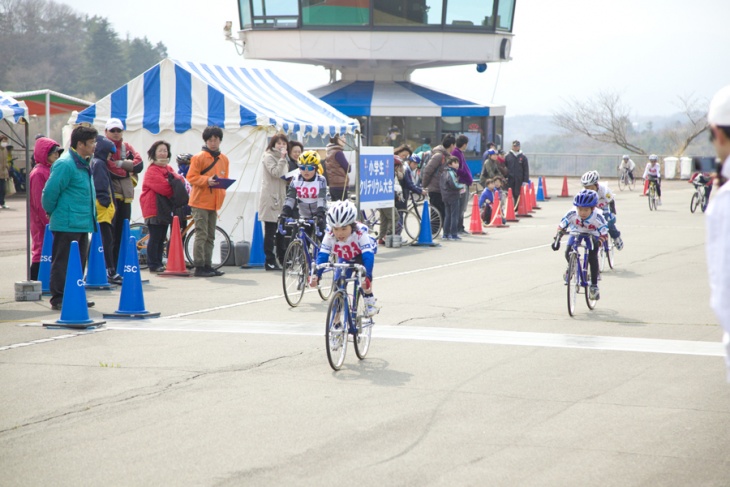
[(555, 245)]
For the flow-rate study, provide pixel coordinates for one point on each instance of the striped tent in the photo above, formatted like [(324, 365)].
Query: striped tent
[(176, 100), (11, 110)]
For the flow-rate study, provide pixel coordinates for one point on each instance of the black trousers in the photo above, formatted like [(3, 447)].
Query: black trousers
[(123, 212), (156, 244), (274, 243), (338, 194), (436, 201), (107, 241), (2, 191), (59, 263)]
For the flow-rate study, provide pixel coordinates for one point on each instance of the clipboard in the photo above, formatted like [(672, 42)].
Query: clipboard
[(223, 183)]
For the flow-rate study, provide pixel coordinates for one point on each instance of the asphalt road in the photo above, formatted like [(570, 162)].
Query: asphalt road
[(476, 374)]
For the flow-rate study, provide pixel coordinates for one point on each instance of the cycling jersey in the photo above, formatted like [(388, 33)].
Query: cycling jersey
[(629, 165), (605, 197), (653, 170), (594, 225), (359, 243), (309, 196)]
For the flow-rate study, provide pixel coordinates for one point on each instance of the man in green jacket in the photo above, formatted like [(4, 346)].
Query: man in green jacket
[(69, 199)]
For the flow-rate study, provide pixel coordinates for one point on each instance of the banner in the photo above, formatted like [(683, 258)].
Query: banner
[(377, 177)]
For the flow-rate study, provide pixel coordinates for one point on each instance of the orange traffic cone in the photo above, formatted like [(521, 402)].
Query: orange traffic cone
[(544, 188), (475, 225), (497, 220), (522, 208), (646, 187), (528, 198), (510, 216), (175, 259), (533, 195), (565, 193)]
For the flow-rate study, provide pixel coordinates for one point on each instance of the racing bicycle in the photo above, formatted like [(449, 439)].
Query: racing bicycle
[(299, 258), (579, 272), (625, 180), (699, 198), (346, 314), (652, 194)]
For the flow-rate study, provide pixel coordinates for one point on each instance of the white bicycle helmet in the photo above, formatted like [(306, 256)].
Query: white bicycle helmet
[(625, 157), (341, 214), (590, 178), (653, 158)]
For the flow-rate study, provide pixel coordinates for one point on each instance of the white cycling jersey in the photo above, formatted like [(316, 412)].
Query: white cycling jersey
[(605, 196), (357, 243), (630, 165), (594, 225), (653, 170)]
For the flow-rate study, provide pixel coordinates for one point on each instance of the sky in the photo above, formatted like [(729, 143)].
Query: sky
[(650, 52)]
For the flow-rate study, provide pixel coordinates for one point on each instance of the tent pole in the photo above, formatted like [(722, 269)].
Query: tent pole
[(357, 171), (27, 203), (48, 115)]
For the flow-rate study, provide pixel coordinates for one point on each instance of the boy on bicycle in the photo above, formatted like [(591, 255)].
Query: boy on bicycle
[(584, 219), (307, 192), (653, 172), (348, 240), (627, 165), (606, 204)]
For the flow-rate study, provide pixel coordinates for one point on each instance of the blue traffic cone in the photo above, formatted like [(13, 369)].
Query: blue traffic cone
[(425, 239), (44, 271), (131, 300), (257, 257), (122, 258), (96, 275), (540, 193), (74, 311)]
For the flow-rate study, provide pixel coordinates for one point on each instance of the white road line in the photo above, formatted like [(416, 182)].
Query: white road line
[(455, 335)]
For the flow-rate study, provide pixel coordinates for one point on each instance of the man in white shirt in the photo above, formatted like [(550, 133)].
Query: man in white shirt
[(718, 218)]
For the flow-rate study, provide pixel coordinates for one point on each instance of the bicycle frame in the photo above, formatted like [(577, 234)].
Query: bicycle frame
[(580, 246), (300, 234)]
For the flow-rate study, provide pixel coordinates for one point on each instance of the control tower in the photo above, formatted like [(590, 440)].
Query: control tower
[(372, 47)]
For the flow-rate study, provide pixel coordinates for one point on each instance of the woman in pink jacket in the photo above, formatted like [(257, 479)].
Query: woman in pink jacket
[(45, 153)]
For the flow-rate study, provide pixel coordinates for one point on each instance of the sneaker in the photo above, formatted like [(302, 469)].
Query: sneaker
[(463, 232), (272, 267), (456, 237), (115, 279), (215, 272), (593, 293), (371, 308), (4, 207), (157, 270), (446, 237), (659, 202), (618, 243), (203, 272)]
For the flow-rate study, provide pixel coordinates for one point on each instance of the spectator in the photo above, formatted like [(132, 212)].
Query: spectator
[(409, 185), (431, 173), (490, 146), (489, 168), (451, 190), (124, 166), (337, 168), (4, 171), (518, 169), (205, 199), (387, 225), (272, 198), (718, 218), (105, 208), (69, 200), (158, 203), (485, 201), (425, 147), (464, 177), (45, 153)]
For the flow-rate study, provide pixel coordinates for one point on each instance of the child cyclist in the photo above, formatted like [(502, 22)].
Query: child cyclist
[(653, 172), (584, 219), (606, 204), (348, 240), (307, 191)]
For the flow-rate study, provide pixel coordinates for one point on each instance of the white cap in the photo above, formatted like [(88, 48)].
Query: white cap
[(719, 112), (114, 123)]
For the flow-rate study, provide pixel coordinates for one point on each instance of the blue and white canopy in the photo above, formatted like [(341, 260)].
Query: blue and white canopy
[(11, 109), (398, 99), (176, 95)]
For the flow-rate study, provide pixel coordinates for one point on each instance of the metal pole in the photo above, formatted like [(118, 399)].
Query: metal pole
[(48, 114), (27, 204), (357, 170)]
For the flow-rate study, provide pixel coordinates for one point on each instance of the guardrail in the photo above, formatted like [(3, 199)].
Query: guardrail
[(577, 164)]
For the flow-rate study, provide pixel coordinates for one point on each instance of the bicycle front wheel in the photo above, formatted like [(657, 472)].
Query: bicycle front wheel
[(602, 256), (221, 247), (573, 283), (631, 183), (411, 226), (694, 203), (327, 283), (622, 181), (364, 328), (610, 255), (335, 331), (650, 199), (142, 234), (295, 272), (436, 221), (590, 302)]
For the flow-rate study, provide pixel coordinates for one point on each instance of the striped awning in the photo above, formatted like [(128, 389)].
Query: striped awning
[(398, 99), (42, 102), (11, 109), (176, 95)]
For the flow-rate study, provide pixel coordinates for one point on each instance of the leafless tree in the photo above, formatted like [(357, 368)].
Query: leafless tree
[(606, 119)]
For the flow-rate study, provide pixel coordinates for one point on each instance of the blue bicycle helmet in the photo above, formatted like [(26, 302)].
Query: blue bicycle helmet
[(586, 199), (415, 158)]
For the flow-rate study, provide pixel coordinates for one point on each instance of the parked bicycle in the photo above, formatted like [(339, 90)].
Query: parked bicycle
[(299, 261), (578, 273), (699, 198), (346, 314), (625, 180), (409, 224), (222, 248)]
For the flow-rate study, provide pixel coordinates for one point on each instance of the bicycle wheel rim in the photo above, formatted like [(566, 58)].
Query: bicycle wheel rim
[(573, 283), (590, 302), (294, 273), (621, 182), (611, 256), (141, 243), (602, 257), (436, 221), (364, 328), (221, 247), (411, 226), (326, 283), (336, 338), (694, 203)]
